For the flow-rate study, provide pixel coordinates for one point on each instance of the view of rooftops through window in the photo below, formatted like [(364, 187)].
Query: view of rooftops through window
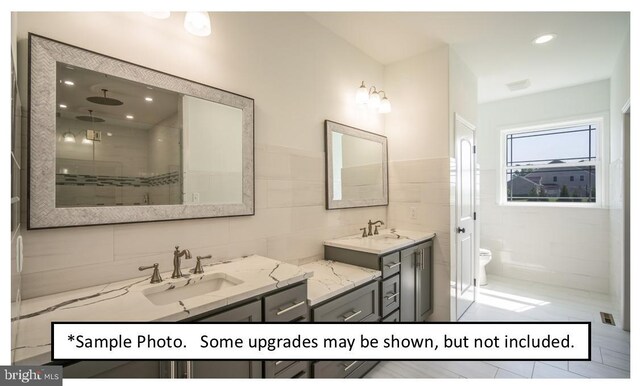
[(552, 165)]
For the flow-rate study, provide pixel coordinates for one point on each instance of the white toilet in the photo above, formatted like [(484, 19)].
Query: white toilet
[(485, 258)]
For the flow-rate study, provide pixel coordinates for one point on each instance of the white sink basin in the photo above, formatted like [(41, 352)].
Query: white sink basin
[(384, 236), (381, 243), (187, 288)]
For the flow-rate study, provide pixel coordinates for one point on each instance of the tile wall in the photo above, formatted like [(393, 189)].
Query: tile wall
[(419, 192), (297, 81)]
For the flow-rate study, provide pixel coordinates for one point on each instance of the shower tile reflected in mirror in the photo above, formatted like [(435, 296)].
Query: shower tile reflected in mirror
[(113, 146), (120, 143)]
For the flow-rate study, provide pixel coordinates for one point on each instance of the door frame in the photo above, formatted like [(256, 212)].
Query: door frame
[(626, 265), (459, 120)]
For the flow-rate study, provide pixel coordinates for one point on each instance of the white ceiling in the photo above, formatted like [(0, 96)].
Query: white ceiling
[(496, 46)]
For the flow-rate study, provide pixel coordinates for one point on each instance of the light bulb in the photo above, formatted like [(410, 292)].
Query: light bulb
[(542, 39), (385, 106), (69, 137), (86, 141), (374, 100), (362, 95), (197, 23)]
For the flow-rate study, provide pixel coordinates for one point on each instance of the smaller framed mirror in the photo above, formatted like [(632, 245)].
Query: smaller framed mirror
[(356, 167)]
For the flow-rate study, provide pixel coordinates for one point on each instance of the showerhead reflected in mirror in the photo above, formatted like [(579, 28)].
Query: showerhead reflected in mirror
[(120, 143), (356, 167), (104, 158)]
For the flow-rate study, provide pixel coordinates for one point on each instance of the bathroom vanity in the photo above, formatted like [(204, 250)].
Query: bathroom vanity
[(257, 289), (405, 259), (384, 278)]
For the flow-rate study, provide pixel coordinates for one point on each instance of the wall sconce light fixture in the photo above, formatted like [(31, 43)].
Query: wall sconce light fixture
[(376, 100), (197, 23)]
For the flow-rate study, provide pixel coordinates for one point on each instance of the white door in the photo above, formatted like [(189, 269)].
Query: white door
[(464, 228)]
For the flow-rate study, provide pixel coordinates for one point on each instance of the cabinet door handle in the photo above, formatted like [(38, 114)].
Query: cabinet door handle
[(172, 369), (300, 374), (285, 310), (393, 265), (188, 369), (278, 363), (350, 365), (388, 297), (355, 313)]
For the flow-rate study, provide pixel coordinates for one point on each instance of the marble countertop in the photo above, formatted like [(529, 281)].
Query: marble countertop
[(125, 301), (331, 278), (382, 243)]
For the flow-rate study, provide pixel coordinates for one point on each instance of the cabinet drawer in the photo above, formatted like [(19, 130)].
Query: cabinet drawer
[(390, 295), (250, 312), (287, 305), (335, 369), (390, 264), (351, 307), (287, 369), (394, 317)]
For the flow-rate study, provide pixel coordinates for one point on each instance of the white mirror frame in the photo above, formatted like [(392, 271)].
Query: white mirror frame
[(335, 127), (42, 210)]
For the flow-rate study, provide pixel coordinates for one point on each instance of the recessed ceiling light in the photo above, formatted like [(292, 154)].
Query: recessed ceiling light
[(68, 83), (148, 99), (109, 134), (542, 39), (129, 116), (63, 106)]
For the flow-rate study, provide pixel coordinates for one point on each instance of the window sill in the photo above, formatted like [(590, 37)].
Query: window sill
[(554, 205)]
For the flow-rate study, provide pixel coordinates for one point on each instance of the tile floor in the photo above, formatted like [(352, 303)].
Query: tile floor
[(506, 299)]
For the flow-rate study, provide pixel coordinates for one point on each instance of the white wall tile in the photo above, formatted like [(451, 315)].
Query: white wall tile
[(134, 240), (67, 247)]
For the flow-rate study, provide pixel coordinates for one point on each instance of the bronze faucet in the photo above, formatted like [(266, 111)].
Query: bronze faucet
[(177, 254), (374, 223)]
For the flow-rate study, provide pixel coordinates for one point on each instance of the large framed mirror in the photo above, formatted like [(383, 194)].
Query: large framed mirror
[(113, 142), (356, 167)]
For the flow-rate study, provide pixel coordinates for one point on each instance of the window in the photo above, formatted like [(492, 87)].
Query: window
[(540, 164)]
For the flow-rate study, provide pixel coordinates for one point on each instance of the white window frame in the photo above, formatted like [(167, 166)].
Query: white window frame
[(602, 151)]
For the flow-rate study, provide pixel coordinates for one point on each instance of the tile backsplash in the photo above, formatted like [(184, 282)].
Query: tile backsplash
[(290, 224)]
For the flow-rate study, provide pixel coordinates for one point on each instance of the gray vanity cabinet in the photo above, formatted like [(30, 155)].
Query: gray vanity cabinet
[(250, 312), (358, 305), (288, 306), (406, 288), (415, 282)]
